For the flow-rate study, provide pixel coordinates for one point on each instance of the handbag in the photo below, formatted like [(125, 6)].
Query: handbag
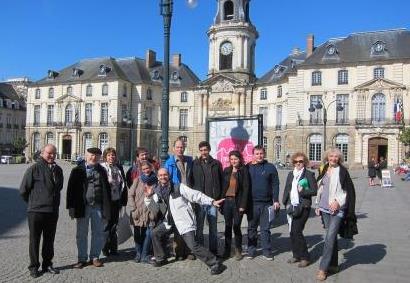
[(294, 210), (123, 227)]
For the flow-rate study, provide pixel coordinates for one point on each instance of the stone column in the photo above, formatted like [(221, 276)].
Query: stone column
[(201, 109), (243, 103), (237, 103), (245, 53), (205, 106)]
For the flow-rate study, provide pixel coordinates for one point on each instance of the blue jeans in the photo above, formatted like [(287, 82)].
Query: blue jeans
[(259, 217), (142, 239), (98, 235), (211, 215), (330, 257)]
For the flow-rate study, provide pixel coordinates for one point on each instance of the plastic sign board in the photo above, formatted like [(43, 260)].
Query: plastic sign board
[(386, 179), (234, 133)]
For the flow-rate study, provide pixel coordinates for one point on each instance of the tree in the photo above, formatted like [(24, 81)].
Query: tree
[(19, 145)]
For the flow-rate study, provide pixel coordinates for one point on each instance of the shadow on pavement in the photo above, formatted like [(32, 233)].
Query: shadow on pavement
[(12, 209), (366, 254)]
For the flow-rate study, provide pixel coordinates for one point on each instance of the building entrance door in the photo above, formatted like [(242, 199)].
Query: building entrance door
[(67, 142), (377, 147)]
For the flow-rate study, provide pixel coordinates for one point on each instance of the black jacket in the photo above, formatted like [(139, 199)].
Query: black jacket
[(198, 177), (77, 184), (242, 185), (348, 227), (40, 189), (305, 196)]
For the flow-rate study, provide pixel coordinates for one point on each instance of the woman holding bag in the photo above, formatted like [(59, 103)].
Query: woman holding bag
[(297, 198)]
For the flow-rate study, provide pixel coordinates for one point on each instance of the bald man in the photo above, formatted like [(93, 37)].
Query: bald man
[(40, 189)]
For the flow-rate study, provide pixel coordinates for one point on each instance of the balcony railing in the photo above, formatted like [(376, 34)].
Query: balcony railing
[(387, 123)]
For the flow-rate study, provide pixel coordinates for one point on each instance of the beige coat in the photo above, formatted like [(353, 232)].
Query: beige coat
[(140, 215)]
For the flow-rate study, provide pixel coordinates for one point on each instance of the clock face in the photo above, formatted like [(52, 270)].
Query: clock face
[(226, 48)]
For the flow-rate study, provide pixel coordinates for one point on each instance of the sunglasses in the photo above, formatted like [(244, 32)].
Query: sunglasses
[(298, 161)]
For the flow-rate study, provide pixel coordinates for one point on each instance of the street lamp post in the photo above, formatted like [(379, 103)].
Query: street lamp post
[(319, 106)]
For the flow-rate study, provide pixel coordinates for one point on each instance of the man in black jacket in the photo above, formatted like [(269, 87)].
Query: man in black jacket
[(89, 199), (40, 188), (207, 178)]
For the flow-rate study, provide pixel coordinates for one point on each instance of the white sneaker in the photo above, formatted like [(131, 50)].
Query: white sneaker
[(268, 257)]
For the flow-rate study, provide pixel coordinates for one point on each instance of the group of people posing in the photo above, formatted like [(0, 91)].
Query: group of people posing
[(177, 198)]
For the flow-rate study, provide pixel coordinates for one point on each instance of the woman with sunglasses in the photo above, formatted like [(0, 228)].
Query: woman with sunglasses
[(300, 186), (235, 193)]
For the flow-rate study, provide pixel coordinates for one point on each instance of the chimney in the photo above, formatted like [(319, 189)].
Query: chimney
[(176, 60), (310, 44), (150, 58)]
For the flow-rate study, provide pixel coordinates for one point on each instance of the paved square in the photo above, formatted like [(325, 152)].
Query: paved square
[(380, 253)]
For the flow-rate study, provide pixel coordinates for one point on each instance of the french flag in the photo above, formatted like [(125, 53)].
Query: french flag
[(398, 110)]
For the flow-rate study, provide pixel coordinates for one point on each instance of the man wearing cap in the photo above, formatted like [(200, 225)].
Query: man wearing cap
[(40, 188), (89, 199)]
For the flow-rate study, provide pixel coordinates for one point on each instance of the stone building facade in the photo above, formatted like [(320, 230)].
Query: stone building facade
[(361, 80)]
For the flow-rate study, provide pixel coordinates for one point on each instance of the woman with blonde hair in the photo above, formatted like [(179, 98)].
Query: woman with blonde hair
[(336, 203), (300, 186)]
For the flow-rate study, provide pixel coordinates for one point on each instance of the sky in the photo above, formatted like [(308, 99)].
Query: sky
[(38, 35)]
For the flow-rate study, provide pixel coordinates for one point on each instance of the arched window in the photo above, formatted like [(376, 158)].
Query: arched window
[(88, 141), (36, 142), (225, 56), (50, 138), (68, 114), (103, 141), (378, 108), (315, 147), (342, 143), (228, 10)]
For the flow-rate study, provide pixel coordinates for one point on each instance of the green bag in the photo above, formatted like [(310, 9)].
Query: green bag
[(304, 184)]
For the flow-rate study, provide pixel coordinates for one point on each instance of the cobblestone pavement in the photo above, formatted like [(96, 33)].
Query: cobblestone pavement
[(380, 253)]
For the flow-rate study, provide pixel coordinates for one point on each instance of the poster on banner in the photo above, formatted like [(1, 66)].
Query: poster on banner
[(234, 133), (386, 179)]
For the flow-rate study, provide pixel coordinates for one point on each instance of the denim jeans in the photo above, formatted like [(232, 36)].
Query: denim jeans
[(142, 239), (210, 213), (330, 257), (98, 235), (259, 217)]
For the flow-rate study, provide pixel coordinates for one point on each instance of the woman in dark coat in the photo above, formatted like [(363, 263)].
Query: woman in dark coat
[(372, 170), (235, 192), (336, 200), (300, 186)]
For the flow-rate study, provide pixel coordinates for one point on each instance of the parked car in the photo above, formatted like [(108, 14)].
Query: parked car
[(6, 159)]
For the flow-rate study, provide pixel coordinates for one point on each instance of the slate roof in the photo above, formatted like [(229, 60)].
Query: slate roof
[(130, 69), (8, 92), (360, 47), (283, 69)]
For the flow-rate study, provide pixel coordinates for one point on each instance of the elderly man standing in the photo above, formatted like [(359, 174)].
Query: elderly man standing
[(40, 189), (89, 199)]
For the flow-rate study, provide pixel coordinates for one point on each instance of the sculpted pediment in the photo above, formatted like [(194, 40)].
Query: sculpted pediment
[(68, 98), (379, 84), (222, 86)]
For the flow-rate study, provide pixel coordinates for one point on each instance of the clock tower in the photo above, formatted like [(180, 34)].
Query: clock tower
[(232, 40)]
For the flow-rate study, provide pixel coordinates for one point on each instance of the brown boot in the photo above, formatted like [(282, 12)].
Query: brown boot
[(303, 263), (321, 275), (238, 254)]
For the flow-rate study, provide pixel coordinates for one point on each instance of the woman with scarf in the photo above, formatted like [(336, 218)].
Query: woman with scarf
[(141, 218), (297, 198), (235, 193), (116, 179), (336, 203)]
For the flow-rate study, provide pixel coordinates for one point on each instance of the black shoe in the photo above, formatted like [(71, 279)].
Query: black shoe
[(217, 269), (105, 252), (51, 270), (156, 263), (35, 273), (114, 253)]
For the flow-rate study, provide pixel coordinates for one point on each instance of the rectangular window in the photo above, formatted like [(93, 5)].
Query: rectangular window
[(88, 114), (51, 92), (315, 150), (343, 148), (265, 144), (104, 114), (264, 94), (36, 120), (316, 78), (184, 96), (124, 112), (105, 89), (50, 115), (342, 116), (183, 119), (317, 115), (278, 117), (89, 91), (264, 111), (279, 91), (343, 77), (37, 94), (361, 109), (378, 73)]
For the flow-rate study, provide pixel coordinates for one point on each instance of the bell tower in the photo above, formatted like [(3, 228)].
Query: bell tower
[(232, 41)]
